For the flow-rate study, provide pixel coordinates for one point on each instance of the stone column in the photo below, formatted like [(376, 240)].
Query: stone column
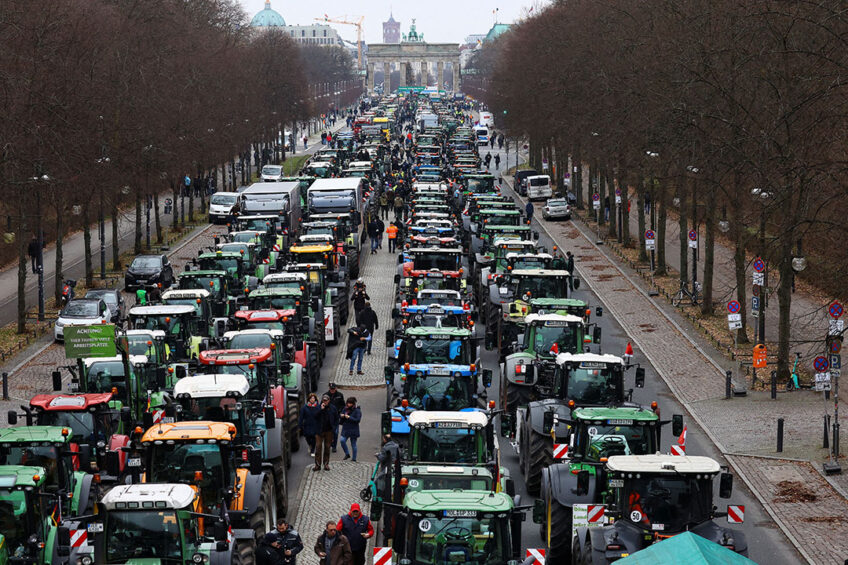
[(370, 77), (425, 72), (457, 87), (387, 83), (402, 69), (440, 73)]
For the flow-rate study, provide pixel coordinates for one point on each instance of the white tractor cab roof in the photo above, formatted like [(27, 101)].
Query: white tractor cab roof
[(360, 165), (149, 496), (432, 419), (430, 222), (162, 310), (286, 276), (153, 334), (662, 463), (514, 243), (556, 320), (184, 293), (540, 273), (235, 246), (578, 358), (513, 255), (134, 360), (319, 237), (437, 292), (211, 386), (319, 164), (228, 336)]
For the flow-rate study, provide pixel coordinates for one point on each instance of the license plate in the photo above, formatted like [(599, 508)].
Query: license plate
[(620, 422), (134, 462), (449, 425), (73, 387), (95, 528), (460, 513), (658, 527), (616, 483), (439, 372), (168, 420)]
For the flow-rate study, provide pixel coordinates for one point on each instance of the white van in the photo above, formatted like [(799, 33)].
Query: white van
[(272, 173), (221, 207), (487, 119), (539, 187)]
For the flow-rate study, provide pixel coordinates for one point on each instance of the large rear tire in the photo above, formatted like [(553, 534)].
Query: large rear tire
[(559, 542), (245, 553), (353, 262), (314, 369), (262, 518), (516, 396), (538, 456), (281, 486), (293, 408)]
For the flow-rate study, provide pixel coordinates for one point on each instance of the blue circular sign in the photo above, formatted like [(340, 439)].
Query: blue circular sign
[(836, 310), (820, 364), (596, 197), (759, 265), (733, 306), (693, 235)]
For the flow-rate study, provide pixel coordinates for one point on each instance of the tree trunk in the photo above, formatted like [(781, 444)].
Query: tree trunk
[(640, 217), (709, 258), (60, 233), (784, 299), (739, 259), (23, 265), (612, 213), (137, 246), (86, 239), (658, 197), (601, 174), (625, 210), (175, 220), (157, 220), (683, 227), (577, 181), (116, 253)]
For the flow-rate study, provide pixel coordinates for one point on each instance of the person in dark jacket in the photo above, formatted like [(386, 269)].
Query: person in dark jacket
[(337, 399), (528, 210), (359, 297), (390, 452), (569, 266), (328, 420), (332, 547), (374, 234), (357, 529), (350, 417), (32, 251), (368, 318), (308, 421), (284, 541), (357, 341)]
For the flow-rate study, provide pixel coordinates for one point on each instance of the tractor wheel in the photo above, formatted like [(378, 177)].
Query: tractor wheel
[(262, 518), (516, 396), (353, 262), (281, 486), (538, 456), (559, 543), (493, 316), (294, 431), (337, 328), (341, 308), (314, 369), (245, 553)]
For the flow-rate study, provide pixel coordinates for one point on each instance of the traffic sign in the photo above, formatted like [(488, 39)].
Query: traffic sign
[(596, 197), (835, 345), (734, 317), (735, 325), (649, 234), (822, 381), (693, 235), (596, 201), (820, 364), (755, 303), (835, 327), (836, 310), (759, 265), (755, 290), (733, 306), (735, 513), (835, 361), (759, 279), (382, 555)]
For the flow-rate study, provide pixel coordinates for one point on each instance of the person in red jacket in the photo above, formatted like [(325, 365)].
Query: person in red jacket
[(357, 529)]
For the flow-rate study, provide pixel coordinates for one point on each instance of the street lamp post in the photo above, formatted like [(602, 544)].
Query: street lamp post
[(761, 322)]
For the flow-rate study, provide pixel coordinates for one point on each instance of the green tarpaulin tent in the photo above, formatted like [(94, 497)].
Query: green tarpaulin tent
[(685, 549)]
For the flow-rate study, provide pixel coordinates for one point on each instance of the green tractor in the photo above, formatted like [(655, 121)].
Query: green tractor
[(184, 330), (31, 526), (334, 287), (214, 282), (281, 298), (240, 274)]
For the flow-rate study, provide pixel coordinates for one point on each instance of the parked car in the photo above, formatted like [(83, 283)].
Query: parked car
[(556, 208), (81, 312), (538, 187), (114, 301), (148, 270), (520, 180)]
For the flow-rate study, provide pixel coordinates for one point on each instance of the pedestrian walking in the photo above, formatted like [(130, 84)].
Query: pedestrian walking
[(356, 343), (374, 234), (382, 228), (492, 141), (528, 210), (350, 417), (392, 232), (358, 530), (384, 206), (279, 546), (569, 266), (647, 203), (368, 318), (487, 159), (32, 251), (398, 208), (337, 399), (500, 141), (497, 161), (333, 547), (308, 421), (305, 139), (359, 298), (328, 420), (606, 208)]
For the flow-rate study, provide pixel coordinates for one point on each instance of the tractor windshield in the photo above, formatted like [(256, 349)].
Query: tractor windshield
[(675, 501), (483, 185), (436, 320), (443, 299), (598, 441), (137, 535), (440, 392), (448, 445), (230, 265), (81, 423), (170, 324), (592, 387), (443, 350), (530, 263), (103, 376), (214, 409), (250, 341), (438, 261), (138, 345), (195, 303), (33, 456), (542, 287), (460, 540), (212, 284), (450, 482), (197, 464), (318, 257), (551, 340), (271, 302), (13, 519)]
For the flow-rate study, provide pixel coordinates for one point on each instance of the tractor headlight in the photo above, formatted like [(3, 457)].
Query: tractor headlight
[(198, 558), (85, 560)]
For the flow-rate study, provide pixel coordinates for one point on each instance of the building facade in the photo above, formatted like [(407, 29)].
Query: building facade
[(391, 30)]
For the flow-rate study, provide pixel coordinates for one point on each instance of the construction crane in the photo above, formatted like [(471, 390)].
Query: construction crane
[(346, 21)]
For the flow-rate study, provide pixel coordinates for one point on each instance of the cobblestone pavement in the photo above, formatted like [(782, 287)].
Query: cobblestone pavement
[(326, 495), (378, 271)]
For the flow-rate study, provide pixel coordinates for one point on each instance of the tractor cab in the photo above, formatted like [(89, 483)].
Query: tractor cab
[(216, 283), (235, 264), (178, 321), (277, 298), (452, 438), (149, 343), (416, 281), (429, 259), (200, 301)]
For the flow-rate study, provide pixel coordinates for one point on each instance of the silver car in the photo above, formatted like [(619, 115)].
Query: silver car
[(556, 208)]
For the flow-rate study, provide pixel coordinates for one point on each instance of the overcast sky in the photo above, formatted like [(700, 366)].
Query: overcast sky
[(441, 21)]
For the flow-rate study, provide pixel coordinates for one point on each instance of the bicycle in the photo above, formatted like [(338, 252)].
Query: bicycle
[(683, 294), (793, 384)]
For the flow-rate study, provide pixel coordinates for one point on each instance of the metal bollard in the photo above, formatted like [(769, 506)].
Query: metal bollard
[(728, 384), (826, 435), (780, 435), (773, 385), (5, 386)]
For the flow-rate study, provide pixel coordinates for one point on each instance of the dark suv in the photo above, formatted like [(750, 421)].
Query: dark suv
[(520, 180), (148, 270)]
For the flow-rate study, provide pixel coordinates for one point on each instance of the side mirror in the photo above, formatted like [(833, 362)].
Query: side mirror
[(509, 487), (725, 485), (270, 419), (57, 381), (599, 311), (640, 378), (575, 282), (113, 463), (582, 483), (220, 530), (254, 460), (596, 335), (147, 420), (487, 378), (13, 417), (538, 511), (161, 377), (677, 424), (390, 337), (529, 372), (395, 313), (389, 375), (63, 540), (400, 259), (513, 309), (386, 423), (547, 422), (180, 371), (397, 279)]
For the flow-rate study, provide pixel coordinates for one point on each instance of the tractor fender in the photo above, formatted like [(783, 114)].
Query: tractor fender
[(116, 442), (301, 356), (509, 369), (535, 415), (272, 443), (252, 490), (311, 327), (319, 311), (715, 532), (294, 382), (82, 492), (559, 483), (278, 401), (495, 295), (222, 557)]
